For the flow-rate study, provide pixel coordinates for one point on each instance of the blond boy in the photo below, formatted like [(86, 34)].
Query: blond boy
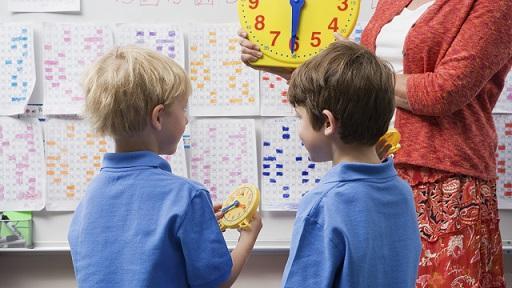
[(139, 225)]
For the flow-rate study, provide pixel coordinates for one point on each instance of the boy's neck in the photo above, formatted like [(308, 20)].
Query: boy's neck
[(354, 153), (141, 142)]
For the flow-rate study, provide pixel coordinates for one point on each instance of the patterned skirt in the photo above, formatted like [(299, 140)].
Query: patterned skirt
[(459, 227)]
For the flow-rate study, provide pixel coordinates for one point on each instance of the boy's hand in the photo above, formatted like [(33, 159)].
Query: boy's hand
[(382, 148), (251, 53), (253, 232), (217, 209)]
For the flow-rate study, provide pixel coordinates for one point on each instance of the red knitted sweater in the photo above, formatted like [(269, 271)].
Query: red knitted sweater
[(457, 56)]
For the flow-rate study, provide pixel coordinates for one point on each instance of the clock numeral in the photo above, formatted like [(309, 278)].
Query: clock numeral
[(260, 22), (276, 35), (333, 25), (315, 39), (253, 4), (343, 6), (296, 44)]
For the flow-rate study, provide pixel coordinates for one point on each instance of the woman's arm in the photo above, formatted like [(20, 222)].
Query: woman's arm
[(482, 46)]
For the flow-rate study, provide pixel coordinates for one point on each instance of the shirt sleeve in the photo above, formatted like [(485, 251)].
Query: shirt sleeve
[(207, 258), (481, 48), (314, 260)]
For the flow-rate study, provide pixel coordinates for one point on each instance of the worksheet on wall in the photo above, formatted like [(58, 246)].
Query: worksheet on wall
[(22, 166), (18, 76), (274, 100), (73, 157), (68, 50), (223, 154), (286, 172), (43, 5), (504, 104), (167, 39), (504, 160), (222, 85)]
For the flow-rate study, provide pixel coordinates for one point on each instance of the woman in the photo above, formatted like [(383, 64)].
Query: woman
[(451, 58)]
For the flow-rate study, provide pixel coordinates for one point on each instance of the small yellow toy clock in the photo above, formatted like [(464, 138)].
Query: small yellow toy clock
[(239, 207), (289, 32)]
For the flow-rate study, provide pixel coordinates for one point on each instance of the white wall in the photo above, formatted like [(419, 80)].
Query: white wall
[(56, 271)]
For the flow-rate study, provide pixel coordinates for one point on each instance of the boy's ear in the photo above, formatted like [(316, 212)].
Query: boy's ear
[(156, 116), (330, 124)]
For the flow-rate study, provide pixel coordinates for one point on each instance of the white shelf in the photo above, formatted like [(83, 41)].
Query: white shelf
[(264, 247)]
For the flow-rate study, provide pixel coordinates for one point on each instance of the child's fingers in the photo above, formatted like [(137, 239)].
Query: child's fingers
[(219, 215), (217, 206)]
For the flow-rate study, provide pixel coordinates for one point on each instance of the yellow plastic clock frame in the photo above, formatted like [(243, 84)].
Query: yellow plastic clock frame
[(268, 24), (240, 217)]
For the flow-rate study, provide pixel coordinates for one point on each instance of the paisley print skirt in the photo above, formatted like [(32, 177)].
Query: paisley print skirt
[(459, 227)]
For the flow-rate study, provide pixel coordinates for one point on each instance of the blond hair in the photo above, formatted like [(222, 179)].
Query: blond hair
[(124, 86)]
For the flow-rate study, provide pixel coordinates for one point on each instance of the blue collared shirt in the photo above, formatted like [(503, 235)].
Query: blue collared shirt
[(141, 226), (357, 228)]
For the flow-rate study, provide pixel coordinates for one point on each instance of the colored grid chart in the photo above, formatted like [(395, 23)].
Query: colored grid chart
[(504, 160), (223, 154), (68, 50), (287, 173), (222, 84), (274, 100), (18, 76), (166, 39), (504, 104), (73, 157), (22, 165)]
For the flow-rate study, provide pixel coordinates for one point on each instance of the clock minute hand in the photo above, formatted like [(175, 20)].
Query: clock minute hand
[(296, 9)]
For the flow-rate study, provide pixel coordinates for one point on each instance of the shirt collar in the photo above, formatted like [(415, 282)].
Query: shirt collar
[(357, 171), (135, 159)]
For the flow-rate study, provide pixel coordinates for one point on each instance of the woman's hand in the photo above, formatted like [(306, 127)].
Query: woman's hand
[(251, 53)]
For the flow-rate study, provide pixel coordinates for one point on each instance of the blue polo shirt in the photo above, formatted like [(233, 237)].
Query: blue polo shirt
[(139, 225), (357, 228)]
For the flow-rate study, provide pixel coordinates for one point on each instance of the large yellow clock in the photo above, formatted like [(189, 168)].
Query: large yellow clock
[(289, 32)]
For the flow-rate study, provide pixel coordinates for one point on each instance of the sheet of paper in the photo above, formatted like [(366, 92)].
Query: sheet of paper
[(504, 104), (18, 76), (504, 160), (223, 154), (286, 172), (43, 5), (68, 50), (178, 161), (22, 186), (222, 85), (273, 91), (166, 39), (73, 157)]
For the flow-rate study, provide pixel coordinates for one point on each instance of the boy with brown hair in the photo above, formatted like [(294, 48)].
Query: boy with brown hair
[(357, 227), (139, 225)]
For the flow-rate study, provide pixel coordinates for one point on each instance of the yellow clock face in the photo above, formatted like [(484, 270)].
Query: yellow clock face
[(269, 25), (241, 205)]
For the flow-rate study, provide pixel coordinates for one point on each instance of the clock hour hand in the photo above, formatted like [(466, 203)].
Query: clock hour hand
[(230, 207), (296, 8)]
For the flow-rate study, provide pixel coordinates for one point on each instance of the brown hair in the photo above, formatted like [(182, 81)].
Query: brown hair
[(125, 85), (351, 82)]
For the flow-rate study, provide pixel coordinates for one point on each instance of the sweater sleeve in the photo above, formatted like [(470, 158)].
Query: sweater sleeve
[(482, 46)]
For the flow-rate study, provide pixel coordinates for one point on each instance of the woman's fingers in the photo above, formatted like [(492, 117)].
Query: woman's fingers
[(339, 37)]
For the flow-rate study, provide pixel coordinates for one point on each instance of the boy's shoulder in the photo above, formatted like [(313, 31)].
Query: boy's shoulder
[(343, 196)]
